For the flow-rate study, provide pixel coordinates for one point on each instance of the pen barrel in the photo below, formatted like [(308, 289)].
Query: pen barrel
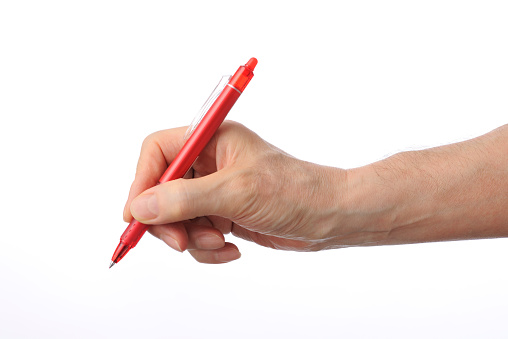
[(133, 233), (202, 134)]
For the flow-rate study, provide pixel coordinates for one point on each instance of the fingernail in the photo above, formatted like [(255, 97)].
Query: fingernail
[(227, 256), (171, 242), (145, 207), (209, 242)]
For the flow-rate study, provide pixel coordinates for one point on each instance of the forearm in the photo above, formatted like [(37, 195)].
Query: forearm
[(458, 191)]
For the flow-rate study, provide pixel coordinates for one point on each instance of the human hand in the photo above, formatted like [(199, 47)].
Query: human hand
[(240, 184), (243, 185)]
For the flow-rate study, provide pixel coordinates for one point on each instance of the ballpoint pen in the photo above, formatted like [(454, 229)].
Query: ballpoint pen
[(214, 112)]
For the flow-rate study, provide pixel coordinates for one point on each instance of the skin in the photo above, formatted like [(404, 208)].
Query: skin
[(243, 185)]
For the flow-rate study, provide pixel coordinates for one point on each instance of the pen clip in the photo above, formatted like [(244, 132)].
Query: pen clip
[(206, 106)]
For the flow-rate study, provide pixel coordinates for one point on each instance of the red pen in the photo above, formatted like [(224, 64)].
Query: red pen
[(199, 137)]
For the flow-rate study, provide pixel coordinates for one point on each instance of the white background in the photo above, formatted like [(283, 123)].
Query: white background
[(342, 83)]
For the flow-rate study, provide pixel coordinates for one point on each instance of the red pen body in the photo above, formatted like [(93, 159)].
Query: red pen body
[(192, 148)]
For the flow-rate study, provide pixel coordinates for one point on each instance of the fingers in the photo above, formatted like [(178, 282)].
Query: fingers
[(222, 224), (174, 235), (194, 234), (204, 242), (204, 237), (187, 199), (157, 151), (220, 256)]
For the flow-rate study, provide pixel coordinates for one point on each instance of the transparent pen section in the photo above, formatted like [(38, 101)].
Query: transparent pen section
[(206, 106)]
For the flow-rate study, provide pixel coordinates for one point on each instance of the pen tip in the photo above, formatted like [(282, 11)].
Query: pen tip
[(251, 63), (112, 264)]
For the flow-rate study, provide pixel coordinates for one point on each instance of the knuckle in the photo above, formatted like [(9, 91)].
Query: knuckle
[(231, 124), (152, 141), (149, 139)]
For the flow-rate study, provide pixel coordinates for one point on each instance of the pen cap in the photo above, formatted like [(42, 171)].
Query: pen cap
[(243, 75)]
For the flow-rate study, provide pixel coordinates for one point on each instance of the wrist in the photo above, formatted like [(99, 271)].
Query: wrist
[(369, 210), (355, 209)]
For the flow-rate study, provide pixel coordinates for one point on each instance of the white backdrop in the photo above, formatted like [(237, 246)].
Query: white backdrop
[(342, 83)]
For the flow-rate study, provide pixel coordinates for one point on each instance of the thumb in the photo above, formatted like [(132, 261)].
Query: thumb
[(184, 199)]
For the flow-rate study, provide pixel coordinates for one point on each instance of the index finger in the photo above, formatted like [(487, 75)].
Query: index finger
[(157, 152)]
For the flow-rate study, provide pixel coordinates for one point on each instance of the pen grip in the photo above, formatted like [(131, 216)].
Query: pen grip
[(133, 233)]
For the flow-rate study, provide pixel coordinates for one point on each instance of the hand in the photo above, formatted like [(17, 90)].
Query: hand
[(244, 185), (240, 184)]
